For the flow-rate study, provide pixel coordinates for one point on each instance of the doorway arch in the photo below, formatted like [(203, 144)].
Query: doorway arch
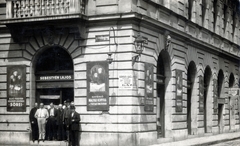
[(191, 74), (163, 78), (53, 72), (207, 79)]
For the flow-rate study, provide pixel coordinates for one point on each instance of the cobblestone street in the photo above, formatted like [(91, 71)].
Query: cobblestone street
[(235, 142)]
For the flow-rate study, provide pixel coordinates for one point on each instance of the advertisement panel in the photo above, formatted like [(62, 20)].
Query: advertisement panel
[(201, 94), (179, 91), (16, 88), (148, 102), (97, 86)]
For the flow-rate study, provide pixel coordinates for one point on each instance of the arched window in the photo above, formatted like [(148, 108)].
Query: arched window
[(215, 7), (190, 5), (204, 7)]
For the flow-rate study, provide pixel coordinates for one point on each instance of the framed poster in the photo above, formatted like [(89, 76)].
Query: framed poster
[(179, 91), (215, 97), (201, 94), (97, 86), (16, 88), (148, 102)]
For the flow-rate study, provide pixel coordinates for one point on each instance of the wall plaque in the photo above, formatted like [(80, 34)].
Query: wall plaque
[(16, 88), (97, 86)]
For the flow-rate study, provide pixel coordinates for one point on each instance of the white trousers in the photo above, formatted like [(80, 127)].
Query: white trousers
[(42, 127)]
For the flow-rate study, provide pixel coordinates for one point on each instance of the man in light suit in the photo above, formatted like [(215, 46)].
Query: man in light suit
[(74, 119), (41, 115)]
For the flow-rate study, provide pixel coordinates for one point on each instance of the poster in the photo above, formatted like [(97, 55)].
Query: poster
[(16, 88), (215, 97), (148, 102), (179, 91), (127, 81), (201, 94), (97, 86)]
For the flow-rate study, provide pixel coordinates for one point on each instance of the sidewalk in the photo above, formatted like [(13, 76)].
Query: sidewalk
[(203, 141)]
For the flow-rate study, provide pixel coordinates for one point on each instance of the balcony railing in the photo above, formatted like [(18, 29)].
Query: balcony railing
[(36, 8)]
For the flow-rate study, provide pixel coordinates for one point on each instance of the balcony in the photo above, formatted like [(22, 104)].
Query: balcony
[(18, 11)]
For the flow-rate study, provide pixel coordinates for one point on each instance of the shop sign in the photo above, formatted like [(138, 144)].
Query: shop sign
[(148, 102), (16, 88), (54, 77), (201, 94), (97, 86), (127, 81), (179, 91)]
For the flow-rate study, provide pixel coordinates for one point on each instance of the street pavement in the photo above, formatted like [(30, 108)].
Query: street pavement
[(235, 142), (226, 139)]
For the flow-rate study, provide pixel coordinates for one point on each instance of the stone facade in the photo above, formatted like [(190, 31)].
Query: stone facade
[(195, 41)]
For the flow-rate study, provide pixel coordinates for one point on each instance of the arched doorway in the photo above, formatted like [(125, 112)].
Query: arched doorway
[(220, 104), (54, 76), (207, 78), (163, 77), (191, 73)]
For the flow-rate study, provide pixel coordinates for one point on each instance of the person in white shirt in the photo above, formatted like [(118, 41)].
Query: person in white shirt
[(41, 115)]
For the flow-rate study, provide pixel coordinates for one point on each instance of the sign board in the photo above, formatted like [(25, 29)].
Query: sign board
[(49, 96), (148, 102), (16, 88), (101, 38), (54, 77), (97, 86), (179, 91)]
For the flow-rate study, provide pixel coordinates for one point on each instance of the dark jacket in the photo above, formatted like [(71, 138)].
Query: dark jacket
[(74, 121), (54, 112), (60, 115), (32, 119)]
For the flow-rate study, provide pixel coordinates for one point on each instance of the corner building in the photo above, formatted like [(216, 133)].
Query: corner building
[(182, 82)]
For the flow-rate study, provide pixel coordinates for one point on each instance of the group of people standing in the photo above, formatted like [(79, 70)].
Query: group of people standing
[(52, 123)]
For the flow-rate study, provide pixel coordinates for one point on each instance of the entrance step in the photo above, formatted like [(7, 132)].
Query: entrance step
[(164, 140), (49, 143)]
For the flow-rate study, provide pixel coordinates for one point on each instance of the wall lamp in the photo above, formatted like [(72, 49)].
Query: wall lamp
[(110, 59), (139, 46)]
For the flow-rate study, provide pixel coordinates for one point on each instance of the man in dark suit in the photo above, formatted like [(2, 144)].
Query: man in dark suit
[(74, 120), (33, 122), (60, 122), (66, 113), (52, 122)]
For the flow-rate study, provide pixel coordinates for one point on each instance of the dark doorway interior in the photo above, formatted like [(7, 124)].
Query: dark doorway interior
[(190, 82), (54, 62), (207, 78), (161, 95)]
